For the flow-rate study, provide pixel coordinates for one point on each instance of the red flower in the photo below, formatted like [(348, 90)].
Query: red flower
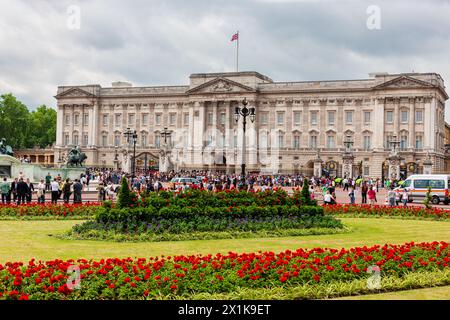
[(174, 287), (316, 278)]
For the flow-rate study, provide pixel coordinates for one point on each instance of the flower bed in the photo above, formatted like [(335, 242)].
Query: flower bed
[(386, 211), (188, 276), (178, 223), (48, 210)]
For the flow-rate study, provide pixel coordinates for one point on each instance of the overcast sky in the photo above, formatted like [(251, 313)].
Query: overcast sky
[(162, 42)]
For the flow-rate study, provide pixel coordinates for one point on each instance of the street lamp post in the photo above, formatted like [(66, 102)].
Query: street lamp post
[(244, 112), (132, 137)]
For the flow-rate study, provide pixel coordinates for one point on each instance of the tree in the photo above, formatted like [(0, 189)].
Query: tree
[(23, 129), (43, 127), (14, 121), (306, 195), (428, 198)]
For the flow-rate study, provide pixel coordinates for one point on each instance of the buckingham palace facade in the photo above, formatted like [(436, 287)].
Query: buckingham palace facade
[(296, 123)]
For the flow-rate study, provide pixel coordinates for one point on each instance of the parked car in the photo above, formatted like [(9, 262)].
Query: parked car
[(179, 182), (417, 186)]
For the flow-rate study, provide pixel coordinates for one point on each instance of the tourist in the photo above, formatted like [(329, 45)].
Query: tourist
[(48, 180), (346, 184), (5, 190), (54, 187), (391, 196), (328, 198), (30, 189), (66, 190), (351, 194), (14, 189), (101, 194), (364, 189), (405, 197), (22, 190), (41, 188), (111, 193), (372, 195), (77, 188)]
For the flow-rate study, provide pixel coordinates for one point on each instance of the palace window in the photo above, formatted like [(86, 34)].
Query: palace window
[(297, 117), (404, 116), (348, 117), (117, 119), (67, 119), (131, 119), (144, 140), (117, 140), (313, 117), (419, 116), (172, 119), (389, 116), (367, 117), (76, 119), (280, 140), (264, 118), (222, 118), (75, 139), (419, 142), (313, 141), (280, 118), (296, 143), (66, 139), (145, 119), (366, 170), (330, 141), (331, 117), (105, 119), (235, 141), (85, 139), (403, 142), (263, 143), (186, 119), (367, 143), (158, 119), (389, 138), (158, 141), (104, 140), (86, 119)]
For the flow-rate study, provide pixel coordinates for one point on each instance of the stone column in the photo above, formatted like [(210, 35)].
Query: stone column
[(94, 122), (411, 124), (60, 125)]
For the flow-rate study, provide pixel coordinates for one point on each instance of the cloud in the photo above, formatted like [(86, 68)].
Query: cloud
[(162, 42)]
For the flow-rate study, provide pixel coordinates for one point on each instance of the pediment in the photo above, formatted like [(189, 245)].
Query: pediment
[(75, 93), (403, 82), (220, 85)]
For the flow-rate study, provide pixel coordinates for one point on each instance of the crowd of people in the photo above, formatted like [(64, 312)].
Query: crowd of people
[(107, 183)]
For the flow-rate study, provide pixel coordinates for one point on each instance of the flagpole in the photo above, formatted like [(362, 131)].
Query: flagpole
[(237, 53)]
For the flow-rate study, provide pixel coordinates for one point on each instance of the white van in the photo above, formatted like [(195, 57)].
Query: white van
[(417, 186)]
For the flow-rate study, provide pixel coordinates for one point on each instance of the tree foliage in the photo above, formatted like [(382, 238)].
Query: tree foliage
[(25, 129)]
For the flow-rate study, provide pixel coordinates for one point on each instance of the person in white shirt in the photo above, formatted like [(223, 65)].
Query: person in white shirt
[(54, 186), (41, 191), (327, 198)]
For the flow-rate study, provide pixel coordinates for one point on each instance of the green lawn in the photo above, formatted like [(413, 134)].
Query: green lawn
[(23, 240), (437, 293)]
